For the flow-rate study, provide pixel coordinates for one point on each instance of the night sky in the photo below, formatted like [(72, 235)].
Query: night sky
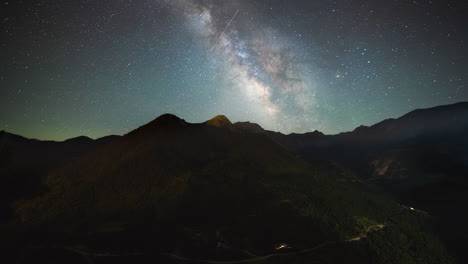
[(100, 67)]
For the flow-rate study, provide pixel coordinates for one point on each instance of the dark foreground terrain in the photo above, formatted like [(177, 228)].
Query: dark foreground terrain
[(217, 192)]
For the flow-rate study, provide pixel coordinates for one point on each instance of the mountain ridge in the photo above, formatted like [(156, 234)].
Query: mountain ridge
[(221, 120), (201, 188)]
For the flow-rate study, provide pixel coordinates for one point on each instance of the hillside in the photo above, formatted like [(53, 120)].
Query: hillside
[(24, 162), (420, 158), (213, 191)]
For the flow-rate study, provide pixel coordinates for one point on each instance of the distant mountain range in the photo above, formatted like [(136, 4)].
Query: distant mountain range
[(232, 192), (420, 158), (24, 162), (373, 150)]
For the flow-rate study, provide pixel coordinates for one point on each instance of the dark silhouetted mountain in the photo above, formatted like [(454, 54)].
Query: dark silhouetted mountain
[(168, 152), (217, 191), (79, 140), (422, 122), (414, 127), (20, 151), (23, 163), (250, 127), (421, 158), (441, 129)]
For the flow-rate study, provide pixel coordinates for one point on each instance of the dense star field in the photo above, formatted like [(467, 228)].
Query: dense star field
[(95, 68)]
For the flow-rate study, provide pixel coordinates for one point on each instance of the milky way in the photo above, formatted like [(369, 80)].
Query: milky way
[(95, 68), (263, 68)]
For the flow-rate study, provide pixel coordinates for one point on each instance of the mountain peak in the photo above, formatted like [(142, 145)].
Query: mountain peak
[(162, 122), (167, 120), (80, 139), (315, 133), (219, 121), (249, 127), (167, 117)]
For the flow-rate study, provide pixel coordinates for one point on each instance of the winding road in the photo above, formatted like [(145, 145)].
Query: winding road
[(363, 235), (88, 256)]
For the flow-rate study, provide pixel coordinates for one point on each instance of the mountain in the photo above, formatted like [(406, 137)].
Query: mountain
[(220, 121), (422, 122), (249, 127), (435, 133), (23, 163), (171, 191), (156, 163), (420, 158)]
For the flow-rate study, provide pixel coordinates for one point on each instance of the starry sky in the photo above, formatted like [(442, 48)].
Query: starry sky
[(100, 67)]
